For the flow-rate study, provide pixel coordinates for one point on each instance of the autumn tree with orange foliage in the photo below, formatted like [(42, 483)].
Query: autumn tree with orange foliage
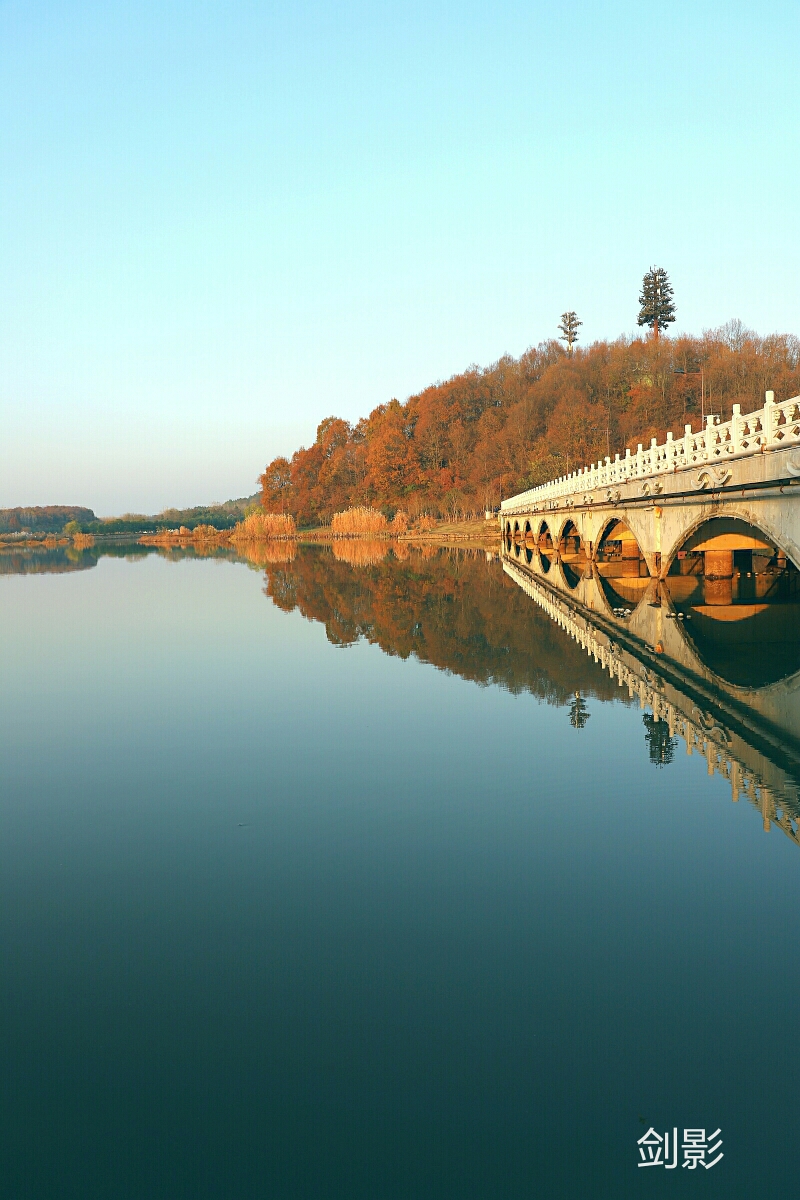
[(459, 446)]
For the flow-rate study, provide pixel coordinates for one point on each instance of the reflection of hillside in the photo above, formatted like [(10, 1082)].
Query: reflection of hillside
[(18, 561), (449, 608), (40, 560)]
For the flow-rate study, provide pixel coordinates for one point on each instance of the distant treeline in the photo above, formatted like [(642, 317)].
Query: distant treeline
[(221, 516), (50, 519), (54, 518), (458, 446)]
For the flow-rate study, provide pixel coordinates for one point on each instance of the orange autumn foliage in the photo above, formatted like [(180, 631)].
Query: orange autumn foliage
[(456, 447)]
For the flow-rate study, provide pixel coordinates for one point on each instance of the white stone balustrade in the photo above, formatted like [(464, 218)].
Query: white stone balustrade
[(773, 427)]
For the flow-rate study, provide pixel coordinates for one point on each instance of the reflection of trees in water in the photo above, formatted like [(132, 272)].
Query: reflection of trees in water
[(360, 552), (19, 560), (45, 562), (450, 608), (578, 712), (660, 744), (263, 553)]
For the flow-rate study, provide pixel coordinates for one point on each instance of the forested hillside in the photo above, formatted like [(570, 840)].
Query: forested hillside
[(54, 518), (48, 519), (458, 446)]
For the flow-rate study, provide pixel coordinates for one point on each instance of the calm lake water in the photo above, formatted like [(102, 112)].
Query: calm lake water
[(358, 877)]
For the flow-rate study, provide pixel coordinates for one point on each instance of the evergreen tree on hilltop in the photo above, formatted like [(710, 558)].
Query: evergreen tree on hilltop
[(657, 309), (569, 329)]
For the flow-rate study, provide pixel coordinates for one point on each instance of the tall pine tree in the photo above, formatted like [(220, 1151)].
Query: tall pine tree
[(657, 310), (578, 712), (569, 329)]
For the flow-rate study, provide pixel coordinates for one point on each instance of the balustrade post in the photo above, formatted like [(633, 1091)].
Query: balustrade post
[(687, 444), (771, 413), (711, 756)]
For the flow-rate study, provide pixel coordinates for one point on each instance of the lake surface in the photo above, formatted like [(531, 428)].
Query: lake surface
[(372, 875)]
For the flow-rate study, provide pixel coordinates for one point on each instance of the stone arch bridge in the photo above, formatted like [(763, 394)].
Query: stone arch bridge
[(682, 563), (743, 475)]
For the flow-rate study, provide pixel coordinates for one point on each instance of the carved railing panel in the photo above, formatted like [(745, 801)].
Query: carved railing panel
[(773, 427)]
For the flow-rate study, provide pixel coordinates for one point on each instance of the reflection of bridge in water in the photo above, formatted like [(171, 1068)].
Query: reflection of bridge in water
[(749, 735), (678, 568)]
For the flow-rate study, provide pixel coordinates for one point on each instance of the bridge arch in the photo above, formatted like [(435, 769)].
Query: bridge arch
[(528, 542), (571, 553), (618, 543), (517, 539), (621, 566), (741, 514), (544, 538), (545, 548), (725, 560), (741, 591)]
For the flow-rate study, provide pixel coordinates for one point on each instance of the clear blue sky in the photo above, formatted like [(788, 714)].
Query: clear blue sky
[(221, 222)]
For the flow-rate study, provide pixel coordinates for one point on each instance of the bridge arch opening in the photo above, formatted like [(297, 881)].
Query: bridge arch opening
[(622, 567), (571, 552), (517, 539), (528, 542), (738, 594), (619, 553), (544, 544)]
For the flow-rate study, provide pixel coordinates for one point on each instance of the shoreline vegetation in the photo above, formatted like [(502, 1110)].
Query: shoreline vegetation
[(254, 527), (358, 524), (356, 548)]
